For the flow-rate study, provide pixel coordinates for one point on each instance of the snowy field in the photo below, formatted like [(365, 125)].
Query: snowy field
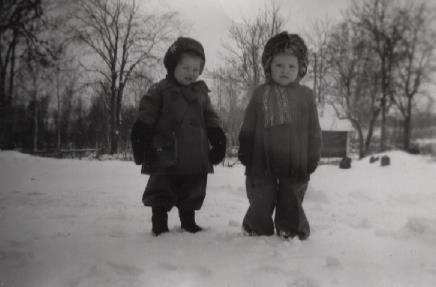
[(78, 223)]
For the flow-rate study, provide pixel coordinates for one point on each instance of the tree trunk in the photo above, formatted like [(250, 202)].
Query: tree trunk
[(370, 131), (315, 76), (2, 89), (358, 129), (407, 125), (406, 134), (35, 123), (58, 117), (118, 114), (12, 69), (383, 126), (113, 112), (362, 147), (113, 131)]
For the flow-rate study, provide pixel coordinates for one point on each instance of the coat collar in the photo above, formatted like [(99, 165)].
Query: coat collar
[(190, 92)]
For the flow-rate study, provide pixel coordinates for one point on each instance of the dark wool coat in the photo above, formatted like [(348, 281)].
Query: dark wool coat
[(180, 116), (291, 149)]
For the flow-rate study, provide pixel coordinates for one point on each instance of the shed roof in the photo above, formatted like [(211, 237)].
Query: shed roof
[(329, 121)]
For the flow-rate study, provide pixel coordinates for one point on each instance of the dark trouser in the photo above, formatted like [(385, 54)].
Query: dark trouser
[(285, 195), (186, 191)]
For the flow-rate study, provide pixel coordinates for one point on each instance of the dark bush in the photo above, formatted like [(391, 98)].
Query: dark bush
[(345, 163), (385, 160), (373, 159)]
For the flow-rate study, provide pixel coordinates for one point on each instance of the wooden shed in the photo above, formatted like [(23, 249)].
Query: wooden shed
[(336, 134)]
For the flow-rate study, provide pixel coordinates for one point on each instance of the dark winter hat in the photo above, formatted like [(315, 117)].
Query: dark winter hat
[(180, 46), (285, 42)]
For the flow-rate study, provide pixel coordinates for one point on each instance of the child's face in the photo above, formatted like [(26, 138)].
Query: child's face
[(284, 68), (187, 69)]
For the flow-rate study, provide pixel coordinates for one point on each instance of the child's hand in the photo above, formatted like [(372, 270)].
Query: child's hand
[(216, 155), (218, 140)]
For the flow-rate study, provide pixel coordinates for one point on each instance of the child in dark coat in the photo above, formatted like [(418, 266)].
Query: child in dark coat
[(280, 142), (177, 137)]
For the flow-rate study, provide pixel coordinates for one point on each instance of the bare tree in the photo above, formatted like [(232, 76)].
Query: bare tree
[(18, 20), (66, 76), (28, 36), (34, 88), (248, 40), (318, 71), (227, 89), (140, 81), (242, 68), (417, 61), (382, 22), (121, 38), (354, 94)]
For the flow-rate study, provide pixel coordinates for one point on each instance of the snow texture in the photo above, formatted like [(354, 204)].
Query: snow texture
[(78, 223)]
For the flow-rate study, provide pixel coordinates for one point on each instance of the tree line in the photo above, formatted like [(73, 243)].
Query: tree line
[(72, 72), (370, 66)]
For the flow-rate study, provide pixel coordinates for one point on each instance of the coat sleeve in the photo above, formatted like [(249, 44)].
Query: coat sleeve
[(246, 134), (315, 136), (215, 134), (143, 129), (214, 131), (150, 105), (140, 137)]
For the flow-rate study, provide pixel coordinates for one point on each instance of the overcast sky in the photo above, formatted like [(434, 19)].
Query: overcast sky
[(210, 20)]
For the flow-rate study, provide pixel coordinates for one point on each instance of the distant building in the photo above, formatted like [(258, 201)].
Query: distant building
[(336, 134)]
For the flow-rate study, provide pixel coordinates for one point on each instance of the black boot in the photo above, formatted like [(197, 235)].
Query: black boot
[(187, 218), (246, 230), (159, 219)]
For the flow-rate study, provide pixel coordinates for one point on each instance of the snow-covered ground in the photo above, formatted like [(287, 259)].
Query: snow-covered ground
[(79, 223)]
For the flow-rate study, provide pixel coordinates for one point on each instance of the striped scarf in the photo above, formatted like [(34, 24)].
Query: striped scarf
[(276, 106)]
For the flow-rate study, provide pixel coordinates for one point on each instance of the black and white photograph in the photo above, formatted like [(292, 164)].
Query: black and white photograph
[(218, 143)]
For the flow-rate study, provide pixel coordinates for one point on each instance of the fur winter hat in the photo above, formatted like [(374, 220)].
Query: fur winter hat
[(284, 42), (180, 46)]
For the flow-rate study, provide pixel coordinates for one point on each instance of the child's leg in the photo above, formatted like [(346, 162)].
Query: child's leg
[(159, 196), (191, 191), (290, 217), (159, 191), (187, 220), (261, 193), (159, 219)]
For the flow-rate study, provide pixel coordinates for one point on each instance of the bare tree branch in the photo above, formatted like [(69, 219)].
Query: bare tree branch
[(122, 38)]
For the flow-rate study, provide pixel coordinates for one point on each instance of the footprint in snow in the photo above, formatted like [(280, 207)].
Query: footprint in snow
[(234, 223), (316, 195), (303, 282), (332, 262), (14, 259), (363, 224), (126, 270), (199, 271)]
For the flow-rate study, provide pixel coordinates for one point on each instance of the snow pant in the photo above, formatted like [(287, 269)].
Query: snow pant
[(282, 194), (185, 191)]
